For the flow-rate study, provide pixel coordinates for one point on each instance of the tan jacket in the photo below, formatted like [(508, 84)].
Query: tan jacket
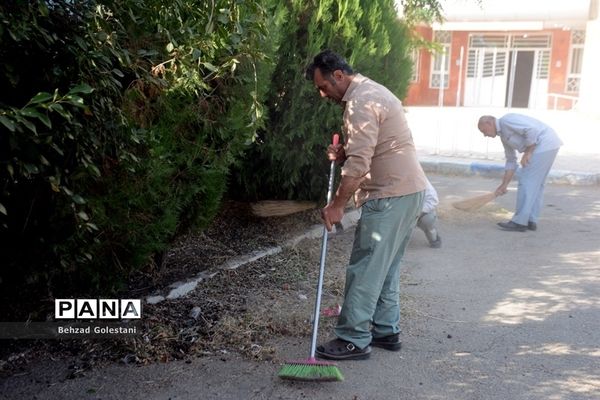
[(378, 143)]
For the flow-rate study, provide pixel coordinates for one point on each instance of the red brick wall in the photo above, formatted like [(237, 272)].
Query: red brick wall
[(416, 95), (459, 39), (419, 93), (559, 67)]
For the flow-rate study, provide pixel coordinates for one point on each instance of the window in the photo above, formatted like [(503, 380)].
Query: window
[(488, 41), (528, 41), (493, 63), (575, 61), (486, 63), (441, 72), (415, 56), (472, 65), (543, 64)]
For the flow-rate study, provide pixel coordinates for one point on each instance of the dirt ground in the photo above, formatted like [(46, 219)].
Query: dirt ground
[(490, 315)]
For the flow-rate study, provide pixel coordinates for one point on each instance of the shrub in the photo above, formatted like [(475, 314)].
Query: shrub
[(119, 121)]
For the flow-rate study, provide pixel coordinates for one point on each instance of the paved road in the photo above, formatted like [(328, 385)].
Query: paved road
[(490, 315)]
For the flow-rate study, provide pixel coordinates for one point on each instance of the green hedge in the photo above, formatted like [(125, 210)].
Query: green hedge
[(288, 161), (119, 121), (123, 123)]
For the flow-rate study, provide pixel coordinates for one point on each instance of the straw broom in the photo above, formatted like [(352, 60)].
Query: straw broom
[(474, 203), (279, 208)]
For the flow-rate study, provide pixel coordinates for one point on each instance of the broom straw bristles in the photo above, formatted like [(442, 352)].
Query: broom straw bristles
[(279, 208), (310, 371), (474, 203)]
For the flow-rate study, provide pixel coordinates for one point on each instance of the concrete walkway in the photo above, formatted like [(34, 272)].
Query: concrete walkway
[(448, 142)]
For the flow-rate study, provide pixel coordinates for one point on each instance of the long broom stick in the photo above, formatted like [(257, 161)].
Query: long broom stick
[(312, 369)]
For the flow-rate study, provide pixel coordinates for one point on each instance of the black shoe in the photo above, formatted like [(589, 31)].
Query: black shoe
[(437, 243), (532, 226), (338, 349), (391, 342), (511, 226)]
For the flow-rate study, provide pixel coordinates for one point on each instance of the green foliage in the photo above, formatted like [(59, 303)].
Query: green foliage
[(60, 117), (119, 121), (288, 161), (418, 11), (422, 11), (386, 54)]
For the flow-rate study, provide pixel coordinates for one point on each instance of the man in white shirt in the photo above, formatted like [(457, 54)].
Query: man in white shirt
[(428, 217), (539, 144)]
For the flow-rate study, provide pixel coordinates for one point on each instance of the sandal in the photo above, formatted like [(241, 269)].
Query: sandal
[(391, 342), (338, 349)]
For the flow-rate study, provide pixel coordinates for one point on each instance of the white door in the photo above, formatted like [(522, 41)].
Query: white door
[(487, 76)]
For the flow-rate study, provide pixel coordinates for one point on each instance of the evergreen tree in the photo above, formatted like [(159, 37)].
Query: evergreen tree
[(119, 120), (288, 161)]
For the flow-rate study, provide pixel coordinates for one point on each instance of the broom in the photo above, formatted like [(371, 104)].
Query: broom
[(474, 203), (312, 369), (279, 208)]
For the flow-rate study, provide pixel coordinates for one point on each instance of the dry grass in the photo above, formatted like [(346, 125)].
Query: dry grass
[(244, 310)]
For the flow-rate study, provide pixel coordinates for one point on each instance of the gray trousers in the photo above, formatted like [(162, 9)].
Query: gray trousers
[(532, 181), (426, 223), (372, 294)]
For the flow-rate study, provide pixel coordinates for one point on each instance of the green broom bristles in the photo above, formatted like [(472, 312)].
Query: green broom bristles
[(311, 371)]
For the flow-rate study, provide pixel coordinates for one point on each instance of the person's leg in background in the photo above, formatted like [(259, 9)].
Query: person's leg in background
[(426, 223), (531, 187), (539, 201)]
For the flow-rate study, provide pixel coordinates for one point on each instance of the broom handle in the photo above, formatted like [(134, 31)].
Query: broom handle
[(313, 344)]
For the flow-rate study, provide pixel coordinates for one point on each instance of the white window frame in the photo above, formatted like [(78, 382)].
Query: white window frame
[(573, 77), (415, 56), (444, 39)]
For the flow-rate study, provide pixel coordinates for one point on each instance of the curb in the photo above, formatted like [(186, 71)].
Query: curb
[(492, 170), (183, 288)]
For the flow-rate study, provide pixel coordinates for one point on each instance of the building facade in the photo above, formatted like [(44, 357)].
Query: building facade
[(504, 57)]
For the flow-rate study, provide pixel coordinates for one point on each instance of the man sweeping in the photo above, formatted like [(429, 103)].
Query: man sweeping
[(380, 168), (539, 144)]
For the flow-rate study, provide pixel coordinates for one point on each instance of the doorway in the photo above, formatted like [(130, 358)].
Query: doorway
[(521, 72)]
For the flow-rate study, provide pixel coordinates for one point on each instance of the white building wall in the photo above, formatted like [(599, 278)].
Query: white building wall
[(589, 89)]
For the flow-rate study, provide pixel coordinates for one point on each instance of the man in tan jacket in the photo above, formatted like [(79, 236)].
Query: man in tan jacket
[(380, 168)]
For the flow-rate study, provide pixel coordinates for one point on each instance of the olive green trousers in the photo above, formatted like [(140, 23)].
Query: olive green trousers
[(372, 293)]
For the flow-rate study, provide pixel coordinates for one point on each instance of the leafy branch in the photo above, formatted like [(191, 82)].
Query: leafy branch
[(32, 124)]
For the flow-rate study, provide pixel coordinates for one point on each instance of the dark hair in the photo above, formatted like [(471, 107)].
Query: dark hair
[(327, 61)]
